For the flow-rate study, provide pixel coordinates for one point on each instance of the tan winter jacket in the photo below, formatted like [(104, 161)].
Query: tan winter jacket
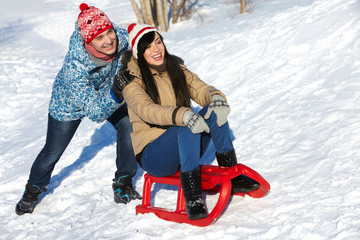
[(150, 120)]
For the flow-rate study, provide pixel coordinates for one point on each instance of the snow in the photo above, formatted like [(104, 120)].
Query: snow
[(290, 70)]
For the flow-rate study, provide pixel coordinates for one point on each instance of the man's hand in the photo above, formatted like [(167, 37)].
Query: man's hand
[(121, 79)]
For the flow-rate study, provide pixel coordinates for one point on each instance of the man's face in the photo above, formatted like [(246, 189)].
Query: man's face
[(105, 42)]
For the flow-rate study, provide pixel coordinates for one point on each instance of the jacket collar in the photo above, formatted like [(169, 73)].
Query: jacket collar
[(133, 68)]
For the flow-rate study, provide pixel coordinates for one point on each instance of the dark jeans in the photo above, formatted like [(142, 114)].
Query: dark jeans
[(178, 148), (59, 135)]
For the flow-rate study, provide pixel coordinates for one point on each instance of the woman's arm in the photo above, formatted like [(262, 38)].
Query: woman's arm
[(200, 92), (141, 104)]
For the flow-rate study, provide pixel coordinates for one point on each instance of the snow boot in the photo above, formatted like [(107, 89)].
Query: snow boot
[(191, 185), (29, 199), (124, 191), (241, 183)]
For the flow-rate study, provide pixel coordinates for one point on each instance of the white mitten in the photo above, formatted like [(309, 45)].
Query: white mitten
[(195, 122), (220, 107)]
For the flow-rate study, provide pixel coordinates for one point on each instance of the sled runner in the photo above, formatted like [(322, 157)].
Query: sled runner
[(213, 179)]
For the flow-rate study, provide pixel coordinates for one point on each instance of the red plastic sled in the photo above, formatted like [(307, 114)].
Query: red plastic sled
[(214, 179)]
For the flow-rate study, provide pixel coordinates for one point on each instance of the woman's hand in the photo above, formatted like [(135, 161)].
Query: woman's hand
[(195, 122), (220, 107)]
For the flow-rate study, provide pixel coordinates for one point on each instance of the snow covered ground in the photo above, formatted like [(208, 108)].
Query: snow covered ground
[(291, 72)]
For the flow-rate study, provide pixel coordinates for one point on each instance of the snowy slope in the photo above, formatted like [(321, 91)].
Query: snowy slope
[(291, 72)]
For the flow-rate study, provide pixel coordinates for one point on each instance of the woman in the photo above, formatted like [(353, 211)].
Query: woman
[(167, 135)]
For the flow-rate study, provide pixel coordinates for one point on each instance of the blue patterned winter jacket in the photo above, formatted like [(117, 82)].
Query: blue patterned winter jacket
[(82, 88)]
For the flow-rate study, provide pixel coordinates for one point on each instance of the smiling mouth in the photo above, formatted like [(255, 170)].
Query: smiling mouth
[(158, 57), (109, 47)]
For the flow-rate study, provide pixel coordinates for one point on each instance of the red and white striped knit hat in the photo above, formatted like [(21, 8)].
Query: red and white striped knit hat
[(136, 31), (92, 21)]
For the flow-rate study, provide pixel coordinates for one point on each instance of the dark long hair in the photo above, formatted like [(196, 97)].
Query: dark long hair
[(174, 71)]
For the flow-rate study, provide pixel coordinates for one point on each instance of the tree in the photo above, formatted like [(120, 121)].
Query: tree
[(175, 9), (242, 6), (156, 12)]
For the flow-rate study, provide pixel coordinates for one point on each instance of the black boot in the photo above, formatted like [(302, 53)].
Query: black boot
[(191, 184), (227, 159), (29, 199), (241, 183), (124, 191)]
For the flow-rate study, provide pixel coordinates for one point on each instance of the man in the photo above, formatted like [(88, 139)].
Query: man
[(83, 88)]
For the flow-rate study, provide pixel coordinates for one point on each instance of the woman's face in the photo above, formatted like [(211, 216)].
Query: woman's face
[(105, 42), (154, 53)]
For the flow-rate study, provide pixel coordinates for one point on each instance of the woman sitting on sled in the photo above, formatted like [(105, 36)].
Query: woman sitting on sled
[(167, 135)]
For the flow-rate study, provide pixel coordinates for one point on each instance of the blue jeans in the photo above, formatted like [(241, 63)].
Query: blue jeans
[(59, 135), (178, 148)]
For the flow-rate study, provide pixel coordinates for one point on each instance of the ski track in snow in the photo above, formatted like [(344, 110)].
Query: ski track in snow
[(290, 71)]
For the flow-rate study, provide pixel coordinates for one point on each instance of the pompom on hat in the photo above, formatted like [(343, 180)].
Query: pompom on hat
[(136, 31), (92, 21)]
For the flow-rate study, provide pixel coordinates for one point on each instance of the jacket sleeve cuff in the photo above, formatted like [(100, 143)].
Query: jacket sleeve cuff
[(214, 92), (179, 115), (115, 98)]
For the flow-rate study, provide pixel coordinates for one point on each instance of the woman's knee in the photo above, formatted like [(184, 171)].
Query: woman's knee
[(161, 170)]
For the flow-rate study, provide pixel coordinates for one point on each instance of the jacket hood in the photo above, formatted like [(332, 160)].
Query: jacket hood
[(134, 68)]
